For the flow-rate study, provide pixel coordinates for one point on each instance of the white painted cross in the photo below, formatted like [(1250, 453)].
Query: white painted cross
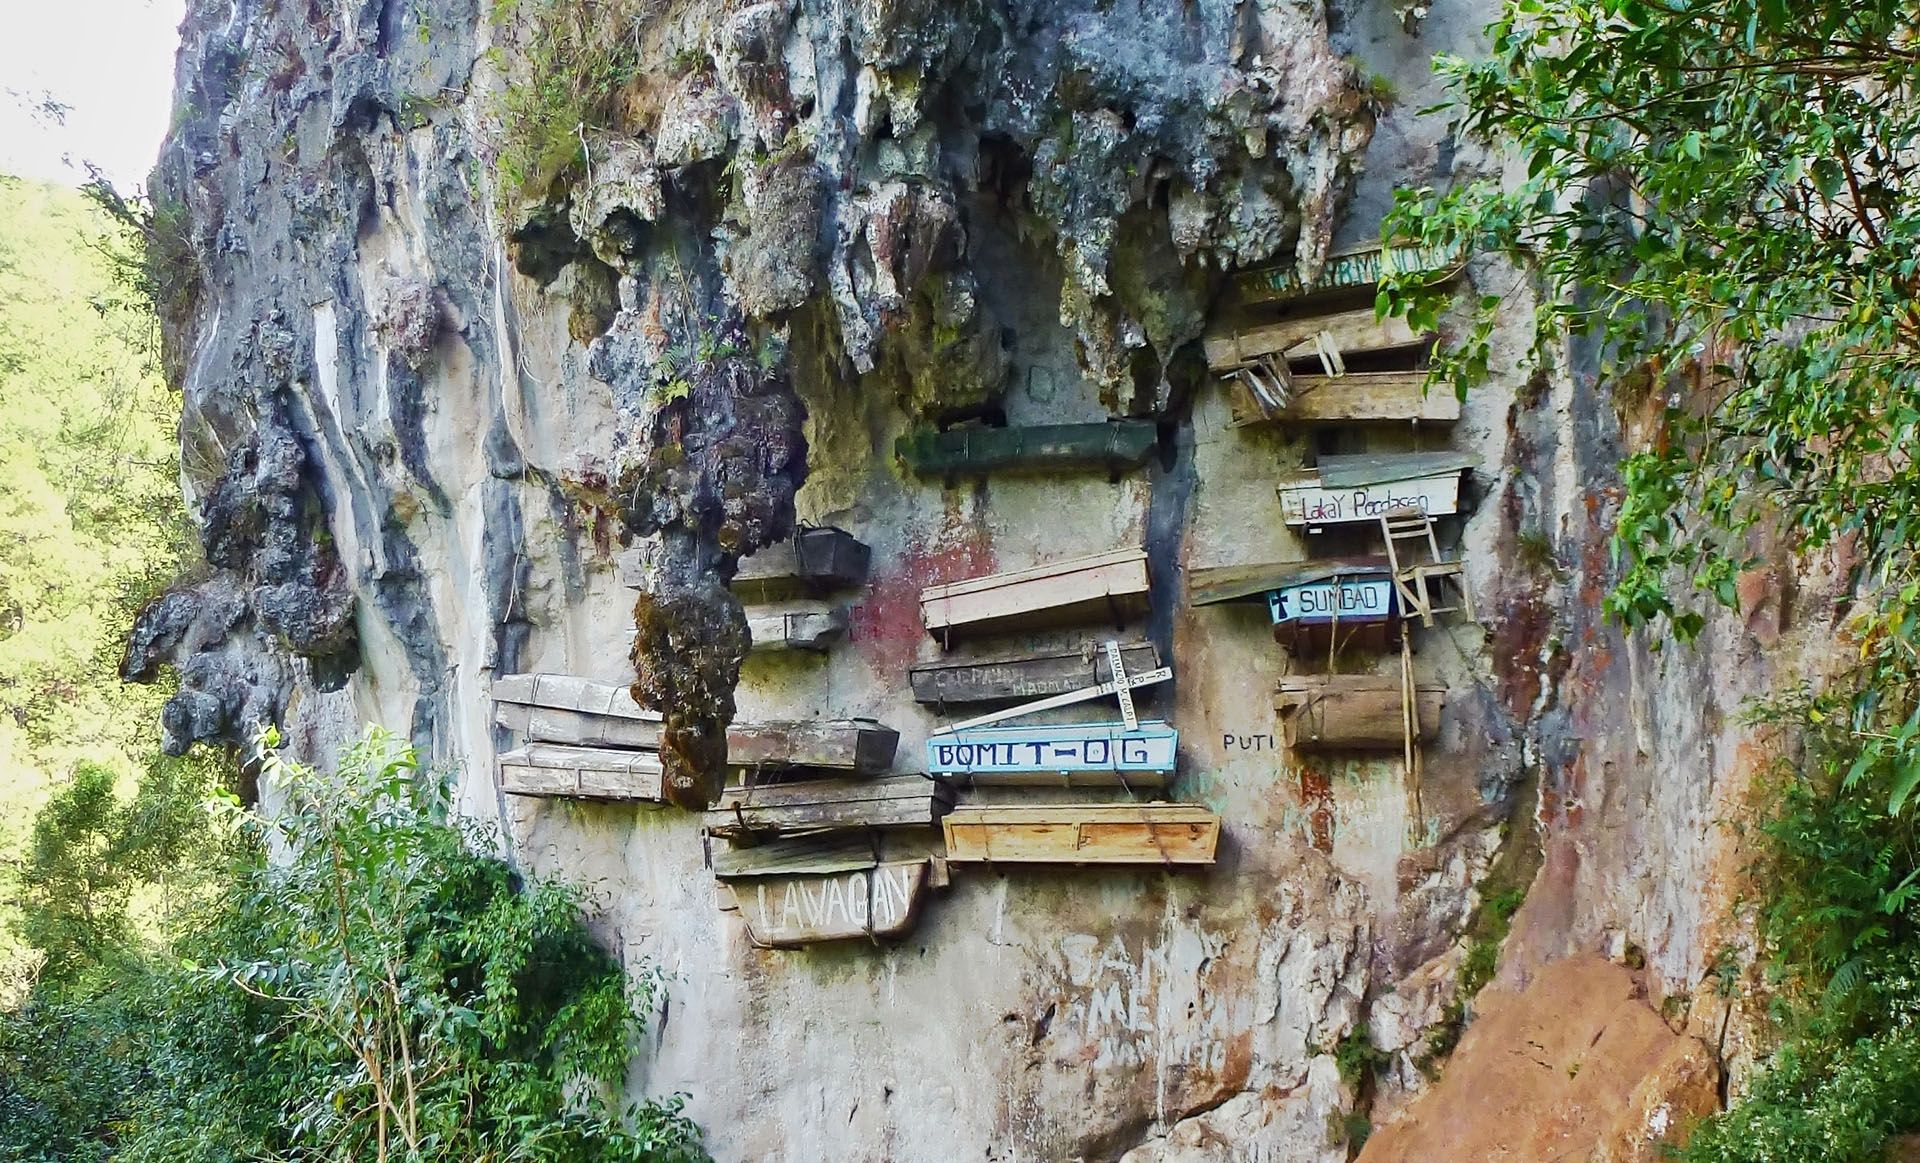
[(1122, 684)]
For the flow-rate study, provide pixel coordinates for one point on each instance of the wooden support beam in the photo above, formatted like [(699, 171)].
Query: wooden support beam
[(1164, 834)]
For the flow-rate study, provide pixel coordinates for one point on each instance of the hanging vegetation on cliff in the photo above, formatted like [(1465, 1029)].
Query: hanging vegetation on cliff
[(1721, 202), (376, 990)]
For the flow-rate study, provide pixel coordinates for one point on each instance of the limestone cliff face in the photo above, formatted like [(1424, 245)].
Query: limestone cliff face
[(420, 422)]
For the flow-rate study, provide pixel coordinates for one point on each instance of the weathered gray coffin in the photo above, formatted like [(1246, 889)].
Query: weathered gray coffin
[(794, 856), (856, 745), (570, 693), (811, 626), (1028, 676), (591, 773), (908, 801), (813, 561), (553, 725)]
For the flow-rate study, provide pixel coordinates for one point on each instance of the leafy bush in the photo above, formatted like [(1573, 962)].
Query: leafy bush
[(366, 985)]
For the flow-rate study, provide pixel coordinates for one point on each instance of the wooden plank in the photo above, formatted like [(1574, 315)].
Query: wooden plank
[(1029, 676), (1084, 587), (548, 769), (1082, 834), (1351, 270), (784, 912), (814, 855), (570, 693), (1105, 749), (1114, 445), (1351, 712), (860, 745), (553, 725), (825, 805), (1306, 502), (813, 561), (812, 626), (1353, 332), (1357, 397)]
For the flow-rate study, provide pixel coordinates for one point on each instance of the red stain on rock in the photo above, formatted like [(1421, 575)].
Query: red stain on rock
[(885, 626), (1316, 792)]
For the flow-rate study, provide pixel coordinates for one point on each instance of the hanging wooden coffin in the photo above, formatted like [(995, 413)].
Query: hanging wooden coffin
[(1356, 397), (570, 693), (908, 801), (1075, 754), (1318, 338), (1105, 586), (797, 626), (856, 745), (813, 561), (1030, 676), (580, 728), (1358, 268), (1164, 834), (590, 773), (784, 912), (1352, 712), (1114, 445), (561, 708), (1345, 490), (795, 856)]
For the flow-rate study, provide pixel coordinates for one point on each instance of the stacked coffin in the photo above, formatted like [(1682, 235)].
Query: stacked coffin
[(1315, 353), (788, 587), (806, 817), (808, 826), (990, 752)]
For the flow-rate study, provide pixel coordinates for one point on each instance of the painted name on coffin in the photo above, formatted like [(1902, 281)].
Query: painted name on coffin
[(1358, 599), (1064, 748), (1312, 504), (800, 908)]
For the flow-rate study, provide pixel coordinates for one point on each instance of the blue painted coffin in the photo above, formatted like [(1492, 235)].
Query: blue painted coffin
[(1345, 598), (1061, 748)]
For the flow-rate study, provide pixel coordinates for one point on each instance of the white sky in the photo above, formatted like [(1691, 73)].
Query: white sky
[(111, 61)]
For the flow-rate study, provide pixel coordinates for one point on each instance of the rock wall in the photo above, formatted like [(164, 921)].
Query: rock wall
[(420, 423)]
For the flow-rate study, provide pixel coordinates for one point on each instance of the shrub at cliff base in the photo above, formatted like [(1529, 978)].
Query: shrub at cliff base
[(357, 984), (1721, 208)]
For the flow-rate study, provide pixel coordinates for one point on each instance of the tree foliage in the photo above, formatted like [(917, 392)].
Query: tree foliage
[(91, 520), (364, 985), (1720, 196)]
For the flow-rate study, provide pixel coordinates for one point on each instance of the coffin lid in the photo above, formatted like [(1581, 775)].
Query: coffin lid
[(1211, 585), (1340, 472)]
